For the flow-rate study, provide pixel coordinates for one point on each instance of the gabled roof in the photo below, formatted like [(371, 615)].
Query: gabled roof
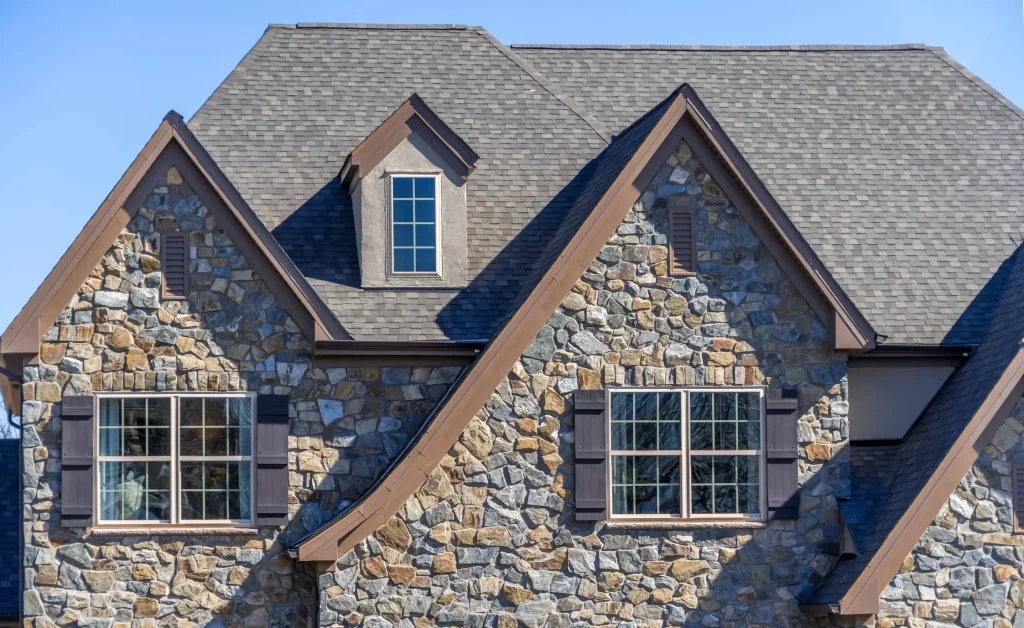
[(613, 183), (412, 116), (935, 455), (171, 145), (902, 170), (283, 122)]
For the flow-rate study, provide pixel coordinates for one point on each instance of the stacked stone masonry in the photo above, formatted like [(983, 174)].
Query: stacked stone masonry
[(966, 570), (490, 538), (232, 334)]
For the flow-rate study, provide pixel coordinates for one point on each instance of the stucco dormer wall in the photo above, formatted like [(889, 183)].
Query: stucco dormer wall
[(371, 205)]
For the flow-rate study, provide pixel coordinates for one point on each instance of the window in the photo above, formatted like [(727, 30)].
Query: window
[(414, 224), (687, 453), (175, 459)]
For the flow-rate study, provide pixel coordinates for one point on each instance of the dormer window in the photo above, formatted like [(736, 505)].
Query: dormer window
[(414, 225), (407, 181)]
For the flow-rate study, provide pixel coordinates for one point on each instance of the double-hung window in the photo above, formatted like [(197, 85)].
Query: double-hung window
[(175, 459), (691, 453), (414, 243)]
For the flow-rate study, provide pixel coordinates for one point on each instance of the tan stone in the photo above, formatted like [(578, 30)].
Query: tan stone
[(1004, 572), (441, 533), (466, 536), (136, 360), (402, 574), (489, 586), (47, 575), (721, 358), (374, 567), (146, 607), (683, 570), (526, 444), (47, 391), (495, 536), (656, 568), (661, 596), (237, 575), (395, 534), (444, 563), (98, 581), (52, 353), (437, 487), (818, 452), (611, 580), (551, 462), (946, 610), (637, 595), (552, 562), (552, 402), (142, 571), (516, 594), (527, 426), (477, 438), (121, 339), (574, 302), (189, 362), (588, 379)]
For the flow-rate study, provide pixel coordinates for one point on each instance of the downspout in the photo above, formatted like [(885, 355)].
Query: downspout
[(21, 490)]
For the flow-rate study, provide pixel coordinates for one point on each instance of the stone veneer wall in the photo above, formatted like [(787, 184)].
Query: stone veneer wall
[(966, 570), (490, 538), (231, 335)]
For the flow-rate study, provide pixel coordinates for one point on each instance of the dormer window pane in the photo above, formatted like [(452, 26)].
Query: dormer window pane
[(413, 220)]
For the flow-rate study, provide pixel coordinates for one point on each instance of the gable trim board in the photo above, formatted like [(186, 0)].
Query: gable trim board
[(862, 597), (171, 145), (682, 117), (412, 116)]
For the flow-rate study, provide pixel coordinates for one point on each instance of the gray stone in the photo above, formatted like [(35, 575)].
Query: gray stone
[(582, 562), (533, 614), (330, 410), (475, 555), (145, 297), (108, 298), (990, 600), (75, 554), (588, 344), (543, 348)]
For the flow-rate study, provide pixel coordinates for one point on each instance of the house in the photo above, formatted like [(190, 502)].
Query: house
[(407, 327)]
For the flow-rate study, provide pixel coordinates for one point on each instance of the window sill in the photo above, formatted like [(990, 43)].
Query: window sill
[(685, 525), (174, 531)]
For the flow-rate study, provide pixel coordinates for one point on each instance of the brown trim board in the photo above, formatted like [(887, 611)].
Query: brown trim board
[(412, 116), (171, 144), (863, 595), (383, 353), (499, 356)]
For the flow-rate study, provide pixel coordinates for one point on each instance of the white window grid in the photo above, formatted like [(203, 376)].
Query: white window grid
[(685, 455), (174, 459), (413, 174)]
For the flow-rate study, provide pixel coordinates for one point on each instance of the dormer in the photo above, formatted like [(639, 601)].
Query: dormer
[(407, 181)]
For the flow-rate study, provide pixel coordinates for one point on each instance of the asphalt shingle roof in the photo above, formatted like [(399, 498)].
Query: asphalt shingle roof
[(282, 123), (902, 170), (932, 436)]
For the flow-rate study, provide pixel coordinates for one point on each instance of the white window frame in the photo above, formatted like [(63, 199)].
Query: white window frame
[(684, 457), (390, 177), (175, 462)]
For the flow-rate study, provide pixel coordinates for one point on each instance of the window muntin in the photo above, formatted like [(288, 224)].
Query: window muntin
[(175, 459), (414, 224), (692, 453)]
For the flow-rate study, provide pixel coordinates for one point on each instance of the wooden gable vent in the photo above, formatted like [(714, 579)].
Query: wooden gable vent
[(174, 264), (682, 239)]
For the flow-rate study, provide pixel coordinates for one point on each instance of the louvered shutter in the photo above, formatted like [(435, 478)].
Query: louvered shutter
[(682, 237), (591, 418), (781, 454), (1017, 482), (271, 460), (78, 462), (174, 265)]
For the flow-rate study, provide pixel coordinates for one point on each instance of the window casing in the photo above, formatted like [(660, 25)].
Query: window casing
[(692, 453), (413, 230), (174, 459)]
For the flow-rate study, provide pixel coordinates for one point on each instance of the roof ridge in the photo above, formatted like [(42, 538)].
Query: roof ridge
[(602, 131), (726, 48), (941, 53), (406, 27)]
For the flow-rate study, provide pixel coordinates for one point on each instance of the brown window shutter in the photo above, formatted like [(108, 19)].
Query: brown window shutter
[(271, 460), (78, 462), (781, 454), (1017, 483), (682, 240), (591, 418), (174, 265)]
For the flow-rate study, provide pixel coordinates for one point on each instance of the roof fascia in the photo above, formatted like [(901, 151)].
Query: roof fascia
[(412, 116), (499, 356), (863, 595), (171, 144), (851, 331)]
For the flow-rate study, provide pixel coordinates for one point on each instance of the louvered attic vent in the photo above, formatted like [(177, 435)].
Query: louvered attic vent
[(174, 264), (682, 238)]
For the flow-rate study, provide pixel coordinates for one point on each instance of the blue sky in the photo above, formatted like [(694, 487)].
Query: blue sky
[(76, 76)]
